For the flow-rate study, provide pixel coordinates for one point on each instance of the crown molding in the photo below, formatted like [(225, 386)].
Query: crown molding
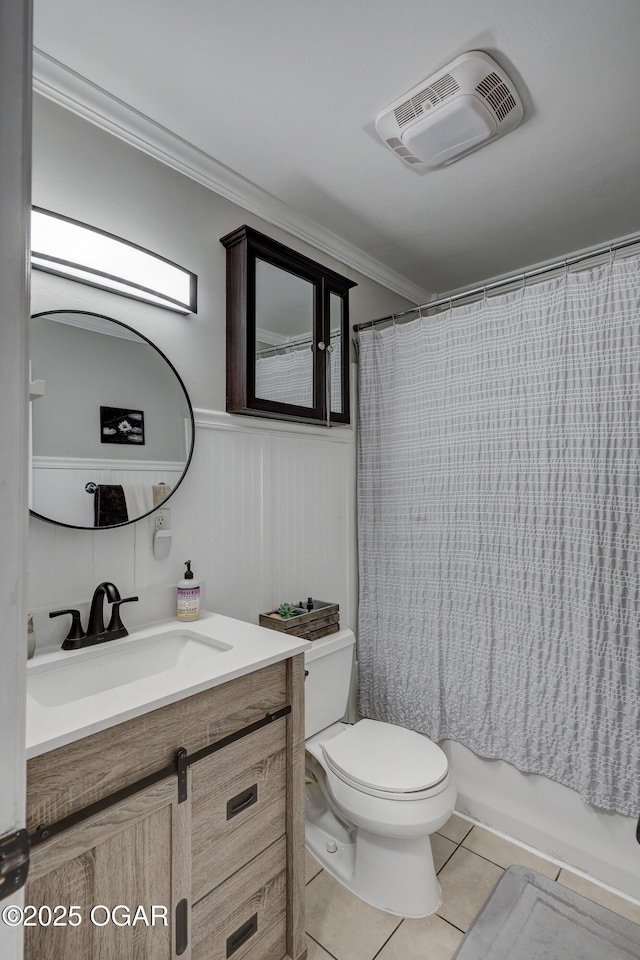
[(69, 89)]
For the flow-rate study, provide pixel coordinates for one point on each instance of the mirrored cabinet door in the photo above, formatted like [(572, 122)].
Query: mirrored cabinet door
[(287, 323), (338, 363), (284, 336)]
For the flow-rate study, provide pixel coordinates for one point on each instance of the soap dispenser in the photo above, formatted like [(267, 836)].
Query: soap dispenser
[(188, 596)]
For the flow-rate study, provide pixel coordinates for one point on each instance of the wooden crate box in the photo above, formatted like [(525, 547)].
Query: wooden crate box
[(310, 624)]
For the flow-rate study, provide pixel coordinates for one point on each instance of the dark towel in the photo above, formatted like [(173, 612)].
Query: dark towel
[(109, 505)]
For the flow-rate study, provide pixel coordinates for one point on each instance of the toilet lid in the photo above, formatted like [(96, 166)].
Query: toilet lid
[(385, 757)]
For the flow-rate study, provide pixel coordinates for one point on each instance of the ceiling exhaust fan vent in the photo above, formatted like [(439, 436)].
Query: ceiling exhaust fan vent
[(429, 96), (497, 95), (468, 103)]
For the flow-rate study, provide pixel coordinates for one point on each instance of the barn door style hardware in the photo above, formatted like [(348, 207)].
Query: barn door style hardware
[(177, 768)]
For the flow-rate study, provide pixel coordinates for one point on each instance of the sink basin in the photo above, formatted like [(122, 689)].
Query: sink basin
[(117, 664)]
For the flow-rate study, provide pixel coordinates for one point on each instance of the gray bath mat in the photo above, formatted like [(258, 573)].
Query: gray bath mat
[(529, 917)]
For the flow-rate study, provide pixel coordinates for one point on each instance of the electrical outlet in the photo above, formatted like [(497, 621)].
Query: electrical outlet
[(163, 519)]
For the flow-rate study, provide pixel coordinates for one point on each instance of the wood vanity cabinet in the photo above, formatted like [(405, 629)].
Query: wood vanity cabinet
[(224, 854)]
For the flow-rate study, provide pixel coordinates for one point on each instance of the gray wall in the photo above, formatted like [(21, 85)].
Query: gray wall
[(82, 172)]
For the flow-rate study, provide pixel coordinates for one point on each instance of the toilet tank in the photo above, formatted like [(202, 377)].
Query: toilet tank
[(326, 688)]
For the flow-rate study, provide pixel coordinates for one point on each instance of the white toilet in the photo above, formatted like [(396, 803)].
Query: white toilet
[(374, 793)]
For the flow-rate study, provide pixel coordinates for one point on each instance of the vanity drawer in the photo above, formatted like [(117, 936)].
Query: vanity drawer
[(234, 823), (74, 776), (245, 917)]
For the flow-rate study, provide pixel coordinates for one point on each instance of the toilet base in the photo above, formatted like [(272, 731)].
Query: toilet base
[(395, 875)]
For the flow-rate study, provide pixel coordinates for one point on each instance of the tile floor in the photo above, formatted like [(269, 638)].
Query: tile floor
[(469, 861)]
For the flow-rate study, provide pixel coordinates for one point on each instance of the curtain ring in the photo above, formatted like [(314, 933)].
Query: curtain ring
[(612, 254)]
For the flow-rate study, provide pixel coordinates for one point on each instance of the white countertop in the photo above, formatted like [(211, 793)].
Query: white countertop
[(241, 649)]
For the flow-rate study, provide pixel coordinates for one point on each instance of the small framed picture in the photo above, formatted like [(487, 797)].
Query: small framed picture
[(120, 425)]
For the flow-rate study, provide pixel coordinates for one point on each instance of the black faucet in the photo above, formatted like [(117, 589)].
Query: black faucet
[(96, 632), (95, 627)]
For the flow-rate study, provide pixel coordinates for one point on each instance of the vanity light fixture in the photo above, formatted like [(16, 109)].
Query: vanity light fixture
[(77, 251)]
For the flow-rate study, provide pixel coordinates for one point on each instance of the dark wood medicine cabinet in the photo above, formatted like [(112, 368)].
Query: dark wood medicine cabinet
[(287, 333)]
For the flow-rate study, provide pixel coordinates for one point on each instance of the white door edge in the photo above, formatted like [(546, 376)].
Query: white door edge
[(15, 202)]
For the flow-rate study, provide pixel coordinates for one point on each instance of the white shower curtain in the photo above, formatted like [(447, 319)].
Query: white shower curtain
[(499, 529)]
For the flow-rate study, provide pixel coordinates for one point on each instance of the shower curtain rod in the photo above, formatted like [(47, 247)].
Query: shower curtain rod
[(306, 341), (522, 278)]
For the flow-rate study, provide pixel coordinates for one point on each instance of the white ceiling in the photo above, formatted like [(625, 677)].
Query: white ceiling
[(285, 92)]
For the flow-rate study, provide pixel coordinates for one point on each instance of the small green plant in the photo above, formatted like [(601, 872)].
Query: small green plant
[(287, 610)]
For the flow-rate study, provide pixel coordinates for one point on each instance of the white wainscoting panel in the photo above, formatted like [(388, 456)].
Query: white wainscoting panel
[(309, 486), (226, 491)]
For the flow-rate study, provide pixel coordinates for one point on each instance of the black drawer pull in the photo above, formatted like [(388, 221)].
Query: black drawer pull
[(242, 801), (242, 934)]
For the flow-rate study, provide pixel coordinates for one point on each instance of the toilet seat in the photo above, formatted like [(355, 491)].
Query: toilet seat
[(384, 760)]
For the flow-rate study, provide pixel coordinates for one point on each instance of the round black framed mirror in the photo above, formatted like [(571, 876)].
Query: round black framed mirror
[(111, 426)]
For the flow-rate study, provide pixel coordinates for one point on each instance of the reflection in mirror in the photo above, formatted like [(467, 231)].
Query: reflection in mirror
[(111, 427), (335, 356), (284, 336)]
